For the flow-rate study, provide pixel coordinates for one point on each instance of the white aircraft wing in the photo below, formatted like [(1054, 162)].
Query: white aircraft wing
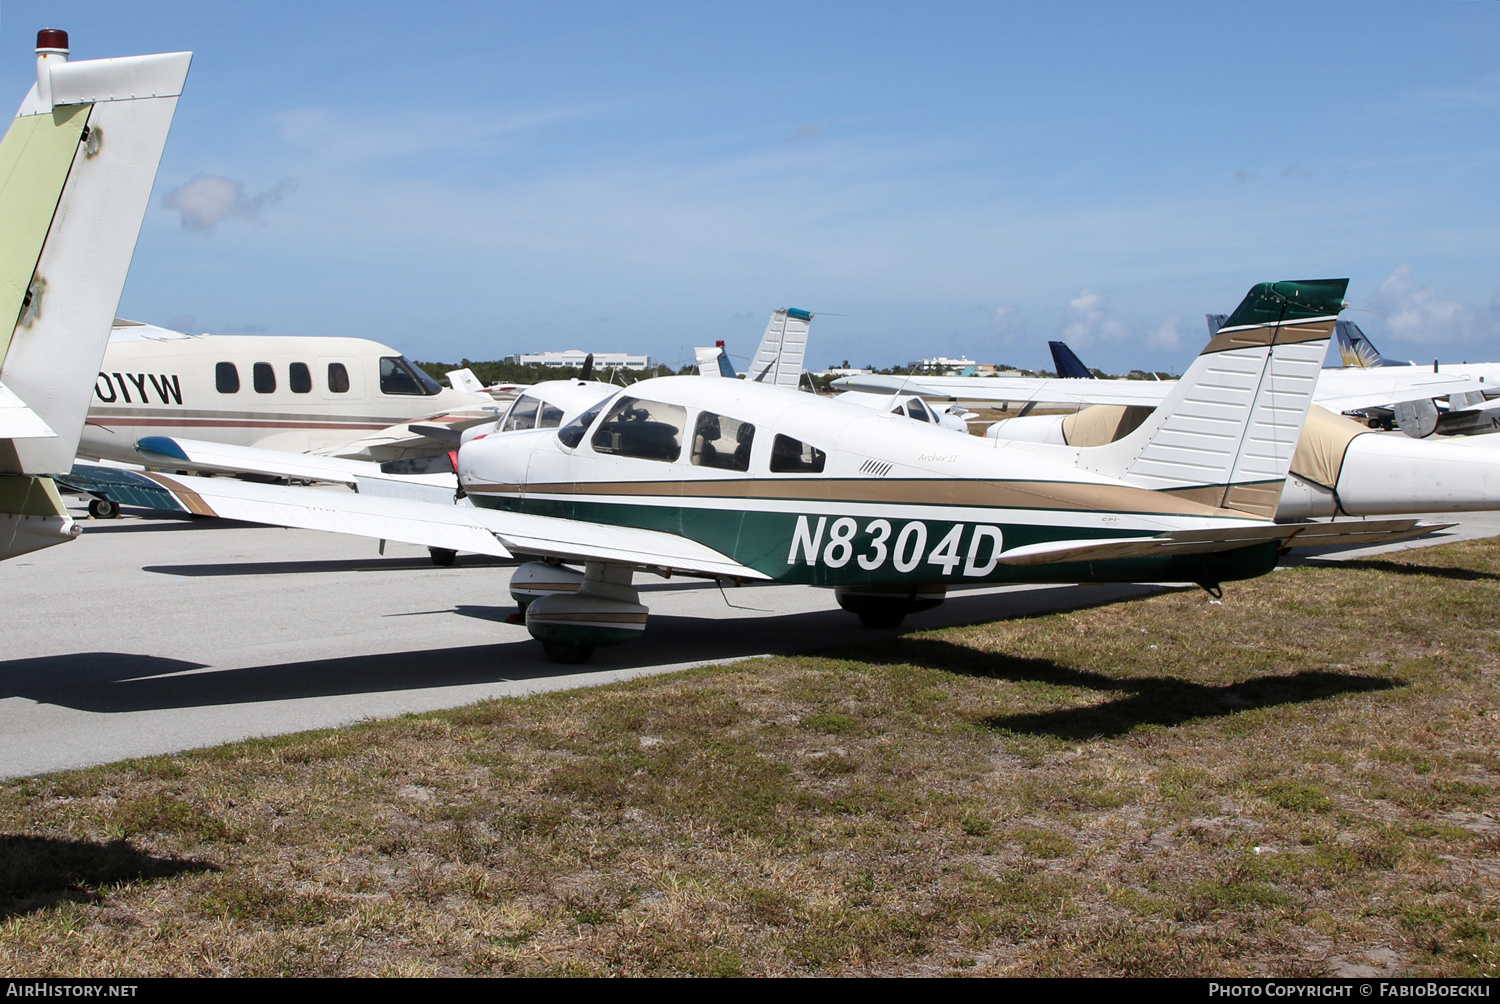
[(1338, 390), (1017, 390), (18, 421), (1353, 389), (199, 455), (1336, 533), (457, 528)]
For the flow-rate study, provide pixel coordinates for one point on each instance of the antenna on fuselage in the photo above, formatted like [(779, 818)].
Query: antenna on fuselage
[(588, 367)]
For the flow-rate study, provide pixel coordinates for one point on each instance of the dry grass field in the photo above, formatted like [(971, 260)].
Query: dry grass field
[(1298, 780)]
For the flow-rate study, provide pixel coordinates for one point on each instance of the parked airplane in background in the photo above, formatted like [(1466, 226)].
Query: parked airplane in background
[(76, 169), (745, 482), (335, 396)]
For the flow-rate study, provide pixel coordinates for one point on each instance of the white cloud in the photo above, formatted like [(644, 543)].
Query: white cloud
[(1088, 320), (1168, 336), (1421, 315), (210, 199)]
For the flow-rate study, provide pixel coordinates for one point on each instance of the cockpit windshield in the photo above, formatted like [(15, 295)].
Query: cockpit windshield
[(572, 434), (399, 376)]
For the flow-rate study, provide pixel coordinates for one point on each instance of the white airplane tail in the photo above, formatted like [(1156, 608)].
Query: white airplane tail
[(76, 170), (1226, 433), (782, 349), (465, 380)]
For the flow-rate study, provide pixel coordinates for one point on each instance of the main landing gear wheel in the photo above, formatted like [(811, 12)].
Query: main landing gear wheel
[(442, 556), (567, 653), (104, 509)]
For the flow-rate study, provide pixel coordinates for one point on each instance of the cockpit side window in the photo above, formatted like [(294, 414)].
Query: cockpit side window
[(522, 414), (399, 376), (722, 442), (572, 434), (646, 430), (916, 409), (791, 456)]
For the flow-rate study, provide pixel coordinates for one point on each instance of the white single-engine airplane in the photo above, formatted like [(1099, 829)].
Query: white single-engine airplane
[(76, 169), (744, 482)]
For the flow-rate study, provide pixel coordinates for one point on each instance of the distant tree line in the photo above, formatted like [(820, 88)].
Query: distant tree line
[(500, 371)]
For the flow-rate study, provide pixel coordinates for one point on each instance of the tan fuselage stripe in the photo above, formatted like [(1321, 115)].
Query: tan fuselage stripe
[(1270, 334), (186, 496), (912, 491)]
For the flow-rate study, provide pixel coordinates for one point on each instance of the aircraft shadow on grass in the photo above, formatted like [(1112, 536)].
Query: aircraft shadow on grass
[(39, 872), (1163, 701), (1403, 568), (119, 682)]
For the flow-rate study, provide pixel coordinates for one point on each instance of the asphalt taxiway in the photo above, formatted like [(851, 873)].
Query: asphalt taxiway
[(152, 635)]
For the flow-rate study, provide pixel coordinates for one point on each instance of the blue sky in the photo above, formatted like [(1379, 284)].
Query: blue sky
[(476, 180)]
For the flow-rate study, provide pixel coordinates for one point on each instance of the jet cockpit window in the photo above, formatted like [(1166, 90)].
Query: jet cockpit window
[(531, 413), (572, 434), (264, 378), (299, 377), (227, 378), (399, 376), (646, 430), (338, 379), (791, 456), (722, 442)]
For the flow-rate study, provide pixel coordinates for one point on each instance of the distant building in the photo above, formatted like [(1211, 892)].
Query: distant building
[(575, 358)]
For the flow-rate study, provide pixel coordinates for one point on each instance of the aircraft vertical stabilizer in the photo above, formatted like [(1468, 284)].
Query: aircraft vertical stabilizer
[(82, 157), (76, 169), (782, 350), (1225, 435)]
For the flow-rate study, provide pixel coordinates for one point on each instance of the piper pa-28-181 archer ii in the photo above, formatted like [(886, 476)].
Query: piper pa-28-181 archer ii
[(743, 482)]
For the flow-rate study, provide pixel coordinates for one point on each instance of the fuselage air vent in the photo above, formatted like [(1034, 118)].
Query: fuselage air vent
[(876, 468)]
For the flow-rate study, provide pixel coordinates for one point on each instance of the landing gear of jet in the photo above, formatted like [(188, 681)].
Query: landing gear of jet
[(887, 606), (602, 610), (104, 509), (442, 557)]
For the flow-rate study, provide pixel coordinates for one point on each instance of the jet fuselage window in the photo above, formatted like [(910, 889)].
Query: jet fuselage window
[(646, 430), (338, 379), (264, 378), (791, 456), (399, 376), (572, 434), (722, 442), (299, 377), (227, 378)]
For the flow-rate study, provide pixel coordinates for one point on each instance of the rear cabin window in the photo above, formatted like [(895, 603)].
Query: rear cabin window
[(722, 442), (338, 379), (792, 456), (227, 378), (299, 378), (646, 430), (264, 378)]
